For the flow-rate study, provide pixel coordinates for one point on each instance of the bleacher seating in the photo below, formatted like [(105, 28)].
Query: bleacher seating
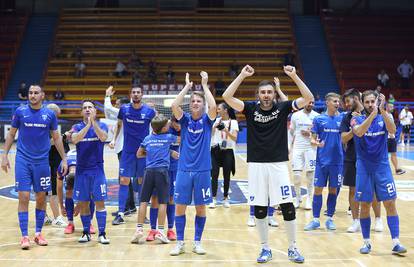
[(204, 39), (12, 27), (363, 45)]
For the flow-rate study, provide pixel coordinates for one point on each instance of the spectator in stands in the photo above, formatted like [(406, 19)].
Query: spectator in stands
[(136, 79), (134, 61), (170, 76), (80, 69), (219, 86), (391, 100), (59, 95), (152, 71), (405, 70), (289, 58), (23, 91), (120, 69), (59, 51), (78, 52), (406, 119), (383, 79), (234, 69)]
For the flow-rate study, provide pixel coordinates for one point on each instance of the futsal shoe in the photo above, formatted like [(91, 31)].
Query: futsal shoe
[(59, 222), (151, 235), (273, 222), (251, 222), (171, 235), (118, 220), (179, 249), (330, 225), (102, 239), (86, 237), (226, 203), (400, 171), (48, 220), (355, 227), (198, 249), (313, 225), (399, 250), (295, 256), (212, 205), (70, 229), (160, 236), (40, 240), (308, 204), (379, 227), (265, 256), (138, 237), (25, 243), (366, 248)]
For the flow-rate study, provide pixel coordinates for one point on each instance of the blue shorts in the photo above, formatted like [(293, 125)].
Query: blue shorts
[(379, 182), (189, 183), (331, 173), (173, 175), (131, 166), (90, 184), (28, 174)]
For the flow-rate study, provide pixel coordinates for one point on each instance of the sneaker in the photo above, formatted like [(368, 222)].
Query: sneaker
[(25, 242), (308, 204), (379, 227), (295, 256), (349, 211), (115, 213), (137, 238), (399, 250), (355, 227), (400, 171), (127, 213), (92, 230), (226, 203), (171, 235), (102, 239), (212, 205), (330, 225), (151, 235), (366, 248), (69, 229), (160, 236), (40, 240), (146, 221), (86, 237), (265, 256), (133, 210), (59, 222), (198, 249), (273, 222), (251, 222), (179, 249), (313, 225), (118, 220), (48, 220)]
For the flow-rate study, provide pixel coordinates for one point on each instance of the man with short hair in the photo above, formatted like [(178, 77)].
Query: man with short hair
[(406, 119)]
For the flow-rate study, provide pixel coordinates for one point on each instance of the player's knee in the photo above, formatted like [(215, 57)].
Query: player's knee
[(70, 181), (288, 211), (260, 212)]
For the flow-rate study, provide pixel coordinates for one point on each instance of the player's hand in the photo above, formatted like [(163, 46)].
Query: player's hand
[(290, 70), (175, 154), (63, 210), (204, 78), (381, 98), (5, 164), (110, 92), (277, 82), (318, 142), (111, 145), (247, 71), (187, 81), (355, 114), (64, 167)]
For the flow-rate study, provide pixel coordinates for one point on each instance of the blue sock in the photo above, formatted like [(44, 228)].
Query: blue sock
[(199, 227), (40, 218), (170, 215), (331, 204), (270, 211), (316, 206), (69, 206), (251, 210), (365, 227), (92, 208), (24, 222), (153, 218), (179, 227), (394, 226), (101, 218), (122, 197), (86, 222)]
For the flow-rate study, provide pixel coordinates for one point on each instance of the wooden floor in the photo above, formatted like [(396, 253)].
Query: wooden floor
[(227, 238)]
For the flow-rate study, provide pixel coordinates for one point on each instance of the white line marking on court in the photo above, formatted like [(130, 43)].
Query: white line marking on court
[(358, 262)]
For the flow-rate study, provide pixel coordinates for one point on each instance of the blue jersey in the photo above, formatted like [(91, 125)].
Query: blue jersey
[(157, 147), (195, 143), (34, 125), (176, 147), (327, 129), (136, 124), (90, 149), (371, 149)]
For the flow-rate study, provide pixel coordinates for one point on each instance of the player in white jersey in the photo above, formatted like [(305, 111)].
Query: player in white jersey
[(303, 154)]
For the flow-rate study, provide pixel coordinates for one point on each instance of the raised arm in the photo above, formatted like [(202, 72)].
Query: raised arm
[(228, 95), (389, 123), (212, 108), (279, 92), (109, 109), (307, 95), (175, 106)]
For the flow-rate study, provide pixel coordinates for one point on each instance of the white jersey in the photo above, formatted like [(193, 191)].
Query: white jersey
[(302, 121)]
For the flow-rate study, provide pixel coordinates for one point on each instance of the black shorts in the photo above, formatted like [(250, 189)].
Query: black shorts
[(349, 173), (392, 145), (406, 129), (156, 179)]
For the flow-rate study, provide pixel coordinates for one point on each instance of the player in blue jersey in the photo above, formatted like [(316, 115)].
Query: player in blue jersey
[(156, 149), (90, 182), (35, 124), (373, 172), (267, 155), (194, 165), (135, 119), (329, 160)]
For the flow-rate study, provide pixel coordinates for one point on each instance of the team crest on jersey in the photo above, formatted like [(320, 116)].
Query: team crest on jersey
[(44, 117), (381, 124), (338, 123), (142, 116)]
